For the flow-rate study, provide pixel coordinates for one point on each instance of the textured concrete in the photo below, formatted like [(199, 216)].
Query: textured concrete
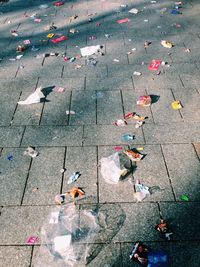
[(99, 95)]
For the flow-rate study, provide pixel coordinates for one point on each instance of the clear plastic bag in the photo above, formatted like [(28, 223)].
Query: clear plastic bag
[(115, 167), (66, 237)]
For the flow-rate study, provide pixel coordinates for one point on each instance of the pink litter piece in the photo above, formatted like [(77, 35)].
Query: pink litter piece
[(37, 20), (120, 21), (32, 240), (118, 148), (59, 3), (27, 42), (58, 89), (154, 64), (59, 39)]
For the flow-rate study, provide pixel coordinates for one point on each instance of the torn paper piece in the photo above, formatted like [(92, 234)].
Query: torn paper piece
[(33, 98), (90, 50), (30, 151)]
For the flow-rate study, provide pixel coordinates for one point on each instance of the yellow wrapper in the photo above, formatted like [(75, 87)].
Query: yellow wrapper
[(176, 105), (50, 35)]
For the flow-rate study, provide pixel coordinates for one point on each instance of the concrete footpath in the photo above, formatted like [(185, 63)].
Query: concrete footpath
[(100, 94)]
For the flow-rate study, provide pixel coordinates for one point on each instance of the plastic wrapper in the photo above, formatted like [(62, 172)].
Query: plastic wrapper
[(144, 101), (164, 230), (139, 254), (66, 237), (158, 258), (133, 154), (115, 167)]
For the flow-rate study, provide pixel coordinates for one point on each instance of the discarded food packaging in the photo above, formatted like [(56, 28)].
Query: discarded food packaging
[(133, 154), (59, 39), (72, 194), (154, 64), (120, 21), (166, 44), (120, 123), (144, 101), (176, 105)]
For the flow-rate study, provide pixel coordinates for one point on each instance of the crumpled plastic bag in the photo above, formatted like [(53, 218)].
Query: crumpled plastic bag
[(34, 98), (66, 237), (141, 191), (115, 167)]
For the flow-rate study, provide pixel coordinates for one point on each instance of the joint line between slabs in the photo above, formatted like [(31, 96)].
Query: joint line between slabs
[(41, 113), (97, 151), (22, 136), (122, 102), (181, 80), (96, 105), (70, 104), (85, 83), (198, 157), (15, 109), (150, 109), (31, 258), (26, 182), (168, 174), (63, 174)]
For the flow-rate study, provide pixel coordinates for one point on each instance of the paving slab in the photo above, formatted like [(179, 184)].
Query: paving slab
[(130, 98), (171, 133), (190, 100), (176, 213), (184, 254), (100, 95), (99, 255), (12, 256), (83, 160), (44, 180), (9, 70), (110, 135), (197, 149), (152, 172), (109, 255), (109, 84), (190, 81), (153, 81), (12, 85), (84, 105), (91, 71), (28, 220), (69, 83), (27, 114), (124, 70), (184, 178), (13, 175), (162, 110), (53, 136), (7, 111), (144, 213), (11, 136), (55, 106), (111, 105)]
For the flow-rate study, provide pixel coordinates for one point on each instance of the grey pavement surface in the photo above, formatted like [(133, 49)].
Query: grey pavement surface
[(100, 95)]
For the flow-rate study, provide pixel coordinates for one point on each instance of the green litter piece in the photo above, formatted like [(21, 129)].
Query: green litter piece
[(185, 198)]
